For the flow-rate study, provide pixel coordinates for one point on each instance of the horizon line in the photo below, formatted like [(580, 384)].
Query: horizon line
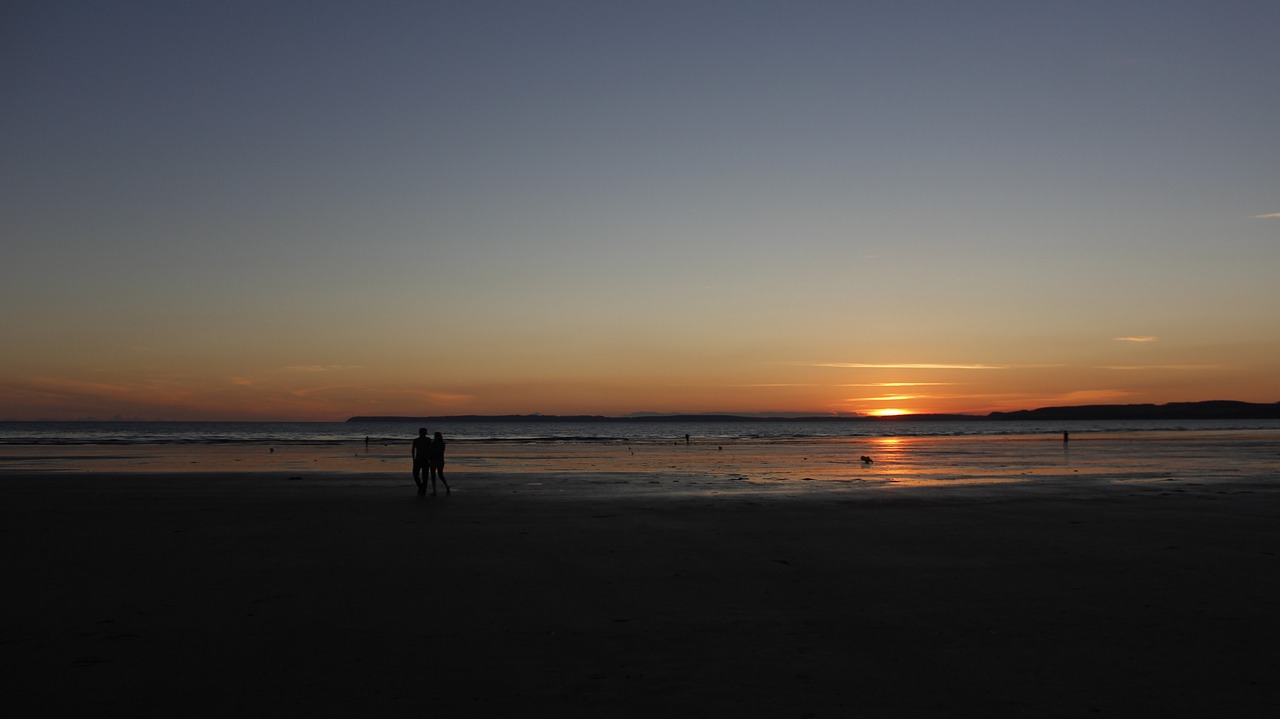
[(646, 415)]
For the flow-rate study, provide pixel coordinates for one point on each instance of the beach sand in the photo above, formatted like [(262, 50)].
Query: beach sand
[(617, 591)]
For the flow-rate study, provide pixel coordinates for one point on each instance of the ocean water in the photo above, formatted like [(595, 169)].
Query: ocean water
[(545, 456), (579, 432)]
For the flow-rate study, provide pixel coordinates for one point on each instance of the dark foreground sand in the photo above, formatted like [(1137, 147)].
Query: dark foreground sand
[(256, 594)]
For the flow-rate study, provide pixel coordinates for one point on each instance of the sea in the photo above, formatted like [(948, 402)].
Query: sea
[(137, 432), (705, 455)]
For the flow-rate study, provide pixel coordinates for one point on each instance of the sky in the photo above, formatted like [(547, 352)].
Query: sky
[(314, 210)]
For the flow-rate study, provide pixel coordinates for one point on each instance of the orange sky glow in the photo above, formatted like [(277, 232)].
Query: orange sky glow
[(614, 208)]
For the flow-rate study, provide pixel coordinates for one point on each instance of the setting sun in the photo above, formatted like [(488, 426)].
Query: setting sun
[(888, 412)]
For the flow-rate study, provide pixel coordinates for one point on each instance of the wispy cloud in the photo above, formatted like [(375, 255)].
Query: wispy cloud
[(308, 391), (64, 387), (450, 399), (1173, 367), (861, 365), (321, 367), (1086, 396), (1143, 338), (885, 398), (1269, 215), (898, 384)]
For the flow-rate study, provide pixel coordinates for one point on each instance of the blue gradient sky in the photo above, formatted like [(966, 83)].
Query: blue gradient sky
[(313, 209)]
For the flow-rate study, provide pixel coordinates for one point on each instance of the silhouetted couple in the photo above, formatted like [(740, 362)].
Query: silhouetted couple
[(428, 456)]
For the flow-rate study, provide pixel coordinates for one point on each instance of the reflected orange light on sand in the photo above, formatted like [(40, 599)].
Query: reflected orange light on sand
[(888, 450)]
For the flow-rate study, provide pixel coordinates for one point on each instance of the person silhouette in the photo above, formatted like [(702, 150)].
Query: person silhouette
[(421, 453), (436, 466)]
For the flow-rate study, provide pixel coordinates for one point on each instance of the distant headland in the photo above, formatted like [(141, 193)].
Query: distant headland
[(1214, 409)]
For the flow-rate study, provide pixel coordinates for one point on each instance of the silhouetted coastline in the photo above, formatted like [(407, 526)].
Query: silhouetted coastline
[(1217, 409), (1212, 409)]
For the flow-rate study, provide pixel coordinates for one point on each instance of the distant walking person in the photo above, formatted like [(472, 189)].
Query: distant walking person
[(437, 464), (421, 454)]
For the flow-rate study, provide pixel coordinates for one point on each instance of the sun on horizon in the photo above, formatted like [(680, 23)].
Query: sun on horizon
[(889, 412)]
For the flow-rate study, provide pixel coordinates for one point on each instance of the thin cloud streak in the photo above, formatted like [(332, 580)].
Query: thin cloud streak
[(899, 384), (307, 392), (1173, 367), (1267, 216), (1089, 396), (1142, 338), (450, 399), (861, 365)]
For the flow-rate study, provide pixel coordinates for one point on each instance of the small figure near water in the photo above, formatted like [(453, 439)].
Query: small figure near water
[(436, 464), (1066, 436), (866, 459), (421, 453)]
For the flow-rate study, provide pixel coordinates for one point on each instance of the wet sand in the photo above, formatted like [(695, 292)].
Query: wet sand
[(635, 593)]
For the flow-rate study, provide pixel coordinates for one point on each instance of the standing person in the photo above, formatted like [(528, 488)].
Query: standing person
[(437, 464), (421, 453)]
